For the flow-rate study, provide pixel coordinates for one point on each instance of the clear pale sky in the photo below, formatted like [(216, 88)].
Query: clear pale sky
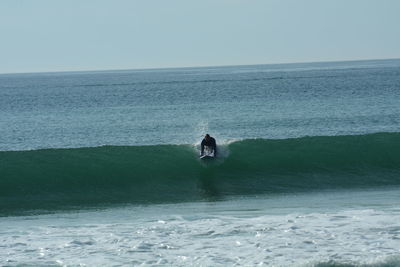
[(62, 35)]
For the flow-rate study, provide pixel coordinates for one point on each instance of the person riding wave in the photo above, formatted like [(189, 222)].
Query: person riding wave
[(210, 143)]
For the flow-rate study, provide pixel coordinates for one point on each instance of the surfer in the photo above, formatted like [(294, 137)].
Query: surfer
[(210, 143)]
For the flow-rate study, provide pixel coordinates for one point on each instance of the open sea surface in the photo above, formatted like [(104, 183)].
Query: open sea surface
[(102, 169)]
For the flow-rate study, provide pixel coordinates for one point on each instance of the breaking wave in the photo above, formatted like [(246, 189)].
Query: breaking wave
[(55, 178)]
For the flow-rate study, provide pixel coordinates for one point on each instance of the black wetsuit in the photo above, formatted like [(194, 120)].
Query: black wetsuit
[(210, 143)]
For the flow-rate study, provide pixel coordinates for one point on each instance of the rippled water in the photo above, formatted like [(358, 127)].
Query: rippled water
[(314, 197)]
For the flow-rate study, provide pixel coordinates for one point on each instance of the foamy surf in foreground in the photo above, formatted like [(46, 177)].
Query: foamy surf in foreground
[(329, 229)]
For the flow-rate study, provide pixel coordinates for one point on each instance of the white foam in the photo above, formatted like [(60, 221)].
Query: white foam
[(282, 231)]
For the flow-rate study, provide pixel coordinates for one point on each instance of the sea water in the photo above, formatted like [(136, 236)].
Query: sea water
[(102, 168)]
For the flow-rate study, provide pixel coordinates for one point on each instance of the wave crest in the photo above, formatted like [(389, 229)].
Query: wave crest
[(163, 173)]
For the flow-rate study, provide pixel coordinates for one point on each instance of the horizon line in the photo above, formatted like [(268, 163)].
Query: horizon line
[(199, 66)]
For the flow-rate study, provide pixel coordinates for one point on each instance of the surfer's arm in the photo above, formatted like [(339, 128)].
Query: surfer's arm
[(202, 148), (215, 150), (214, 146)]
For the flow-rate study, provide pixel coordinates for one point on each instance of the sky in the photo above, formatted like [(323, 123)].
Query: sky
[(73, 35)]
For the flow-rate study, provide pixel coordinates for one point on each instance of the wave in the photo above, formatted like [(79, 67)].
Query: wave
[(389, 261), (54, 178)]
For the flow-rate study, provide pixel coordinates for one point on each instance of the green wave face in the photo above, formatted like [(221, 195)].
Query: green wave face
[(57, 178)]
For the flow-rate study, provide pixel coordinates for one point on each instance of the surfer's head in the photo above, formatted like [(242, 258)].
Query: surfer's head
[(207, 136)]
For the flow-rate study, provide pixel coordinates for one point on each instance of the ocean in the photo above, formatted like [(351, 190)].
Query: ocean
[(102, 168)]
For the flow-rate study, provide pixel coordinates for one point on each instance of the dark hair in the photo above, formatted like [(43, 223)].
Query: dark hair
[(207, 135)]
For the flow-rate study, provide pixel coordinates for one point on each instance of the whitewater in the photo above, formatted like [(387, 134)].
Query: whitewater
[(102, 168)]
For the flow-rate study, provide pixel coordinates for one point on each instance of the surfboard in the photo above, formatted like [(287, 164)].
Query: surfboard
[(207, 157), (207, 154)]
